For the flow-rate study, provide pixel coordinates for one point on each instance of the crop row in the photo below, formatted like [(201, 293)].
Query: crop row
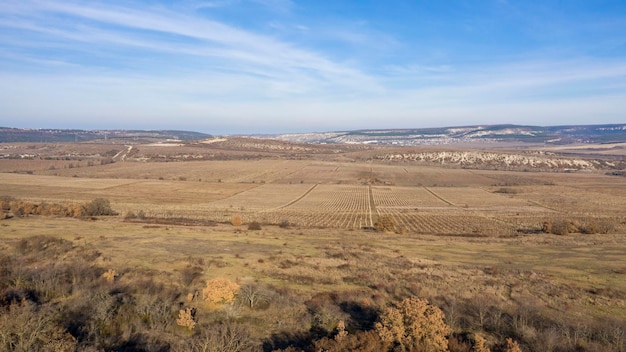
[(452, 222), (335, 219), (335, 198), (264, 197), (405, 197)]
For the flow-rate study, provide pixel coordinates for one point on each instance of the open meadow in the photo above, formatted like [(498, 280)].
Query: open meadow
[(252, 245)]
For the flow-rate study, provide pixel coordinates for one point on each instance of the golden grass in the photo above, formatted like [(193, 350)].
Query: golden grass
[(117, 190), (537, 267)]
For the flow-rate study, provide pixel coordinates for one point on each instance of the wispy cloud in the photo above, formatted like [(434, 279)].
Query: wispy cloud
[(121, 62), (277, 5), (207, 38)]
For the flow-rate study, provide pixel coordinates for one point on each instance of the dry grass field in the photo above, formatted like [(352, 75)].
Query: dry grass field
[(471, 241)]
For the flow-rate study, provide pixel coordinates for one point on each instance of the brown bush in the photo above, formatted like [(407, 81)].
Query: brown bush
[(236, 220), (254, 226), (512, 346), (228, 337), (506, 190), (5, 202), (547, 226), (480, 344), (564, 227), (414, 325), (186, 318), (109, 276), (220, 291), (190, 273), (25, 328), (385, 223), (98, 207), (561, 227), (360, 341), (597, 227)]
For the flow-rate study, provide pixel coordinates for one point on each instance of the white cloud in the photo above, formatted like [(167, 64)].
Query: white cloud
[(123, 65), (241, 48)]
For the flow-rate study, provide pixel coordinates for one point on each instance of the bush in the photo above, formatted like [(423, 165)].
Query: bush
[(236, 220), (547, 226), (560, 227), (226, 337), (220, 291), (190, 273), (505, 190), (254, 226), (5, 202), (385, 223), (364, 341), (512, 346), (25, 328), (98, 207), (597, 226), (414, 325), (186, 318)]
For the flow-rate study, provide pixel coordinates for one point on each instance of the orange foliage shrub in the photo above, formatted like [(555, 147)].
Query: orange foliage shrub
[(341, 331), (220, 291), (480, 344), (98, 206), (414, 325), (186, 318), (110, 275), (236, 220), (512, 346)]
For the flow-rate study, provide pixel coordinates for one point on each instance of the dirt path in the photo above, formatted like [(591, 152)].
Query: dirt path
[(440, 197), (121, 156), (371, 206), (298, 199)]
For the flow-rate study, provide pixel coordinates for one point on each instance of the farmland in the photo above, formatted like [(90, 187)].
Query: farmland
[(421, 199), (472, 239)]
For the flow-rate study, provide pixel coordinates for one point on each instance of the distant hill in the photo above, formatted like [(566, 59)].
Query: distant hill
[(552, 135), (69, 135), (451, 135)]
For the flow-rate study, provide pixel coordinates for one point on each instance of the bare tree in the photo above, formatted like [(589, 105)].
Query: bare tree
[(252, 295)]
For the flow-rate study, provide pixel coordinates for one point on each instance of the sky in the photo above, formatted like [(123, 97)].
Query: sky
[(278, 66)]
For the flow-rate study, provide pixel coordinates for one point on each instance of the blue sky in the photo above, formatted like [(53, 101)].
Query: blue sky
[(269, 66)]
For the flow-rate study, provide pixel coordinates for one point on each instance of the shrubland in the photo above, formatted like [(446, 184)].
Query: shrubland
[(69, 295), (11, 206)]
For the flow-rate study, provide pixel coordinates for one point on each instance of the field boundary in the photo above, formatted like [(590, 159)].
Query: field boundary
[(299, 198), (371, 206), (440, 197)]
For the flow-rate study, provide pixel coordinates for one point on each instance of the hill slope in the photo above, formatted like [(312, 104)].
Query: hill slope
[(452, 135)]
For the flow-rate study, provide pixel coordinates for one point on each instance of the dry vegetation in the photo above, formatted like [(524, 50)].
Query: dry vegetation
[(303, 248)]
